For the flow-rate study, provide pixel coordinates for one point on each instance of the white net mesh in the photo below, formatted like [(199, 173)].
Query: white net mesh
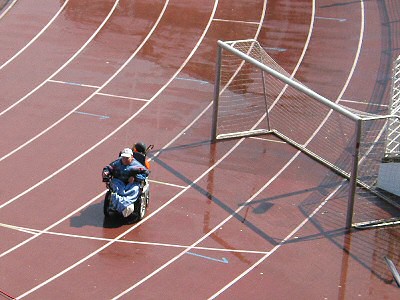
[(252, 101)]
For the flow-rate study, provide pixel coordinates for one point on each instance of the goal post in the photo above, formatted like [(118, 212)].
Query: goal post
[(254, 95), (237, 110), (238, 61), (393, 141)]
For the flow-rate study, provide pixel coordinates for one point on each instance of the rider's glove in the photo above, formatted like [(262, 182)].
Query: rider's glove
[(106, 176)]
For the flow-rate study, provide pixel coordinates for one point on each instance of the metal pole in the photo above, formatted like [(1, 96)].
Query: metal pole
[(290, 82), (353, 177), (265, 100), (216, 96)]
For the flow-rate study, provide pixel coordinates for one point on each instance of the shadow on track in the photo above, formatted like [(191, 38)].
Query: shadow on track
[(93, 216)]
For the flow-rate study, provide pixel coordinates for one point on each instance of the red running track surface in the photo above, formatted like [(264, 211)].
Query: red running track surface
[(80, 80)]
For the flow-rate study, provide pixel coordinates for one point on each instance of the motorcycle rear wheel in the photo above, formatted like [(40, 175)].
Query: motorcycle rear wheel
[(141, 207)]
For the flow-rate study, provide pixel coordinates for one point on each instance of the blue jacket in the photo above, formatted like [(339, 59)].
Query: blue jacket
[(118, 170)]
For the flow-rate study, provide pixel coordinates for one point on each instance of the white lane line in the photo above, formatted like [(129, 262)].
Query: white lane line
[(149, 216), (274, 49), (36, 37), (363, 103), (237, 21), (166, 183), (123, 97), (38, 233), (277, 247), (101, 117), (73, 83), (223, 260), (192, 80), (123, 233), (8, 8), (197, 180), (52, 225), (133, 228), (77, 107), (267, 140), (127, 121), (331, 19), (82, 103), (165, 265), (113, 132), (97, 87), (66, 63), (359, 47), (86, 237), (18, 228)]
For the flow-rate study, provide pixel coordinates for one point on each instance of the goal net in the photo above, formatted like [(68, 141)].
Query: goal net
[(254, 95)]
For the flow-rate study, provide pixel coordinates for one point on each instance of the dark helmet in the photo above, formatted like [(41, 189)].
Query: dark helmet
[(140, 147)]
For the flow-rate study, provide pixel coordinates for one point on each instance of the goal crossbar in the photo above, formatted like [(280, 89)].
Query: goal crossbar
[(285, 79), (251, 87)]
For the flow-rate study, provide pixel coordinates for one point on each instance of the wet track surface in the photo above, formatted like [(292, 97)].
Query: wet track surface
[(249, 218)]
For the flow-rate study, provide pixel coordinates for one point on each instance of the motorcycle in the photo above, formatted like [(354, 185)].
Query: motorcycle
[(140, 203)]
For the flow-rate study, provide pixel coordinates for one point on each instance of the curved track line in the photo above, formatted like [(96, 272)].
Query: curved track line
[(86, 237), (61, 68), (250, 199), (52, 225), (170, 200), (149, 216), (112, 133), (82, 103), (212, 230), (353, 67), (279, 245), (326, 200), (8, 8), (255, 195), (36, 37), (140, 222), (165, 204)]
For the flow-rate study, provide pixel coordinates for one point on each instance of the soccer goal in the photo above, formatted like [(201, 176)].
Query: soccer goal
[(254, 95)]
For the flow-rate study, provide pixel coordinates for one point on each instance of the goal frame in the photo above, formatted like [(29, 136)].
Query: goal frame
[(358, 120)]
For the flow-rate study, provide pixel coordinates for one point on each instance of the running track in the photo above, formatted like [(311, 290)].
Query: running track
[(243, 219)]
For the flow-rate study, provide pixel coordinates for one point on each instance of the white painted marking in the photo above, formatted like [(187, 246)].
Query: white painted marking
[(123, 97), (8, 8), (357, 55), (192, 80), (101, 117), (274, 49), (267, 140), (169, 184), (73, 83), (53, 225), (223, 260), (236, 21), (364, 103), (332, 19), (36, 37), (85, 237), (129, 230), (65, 64), (276, 247)]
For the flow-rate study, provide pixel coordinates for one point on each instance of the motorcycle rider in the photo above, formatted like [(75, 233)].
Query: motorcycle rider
[(124, 176)]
